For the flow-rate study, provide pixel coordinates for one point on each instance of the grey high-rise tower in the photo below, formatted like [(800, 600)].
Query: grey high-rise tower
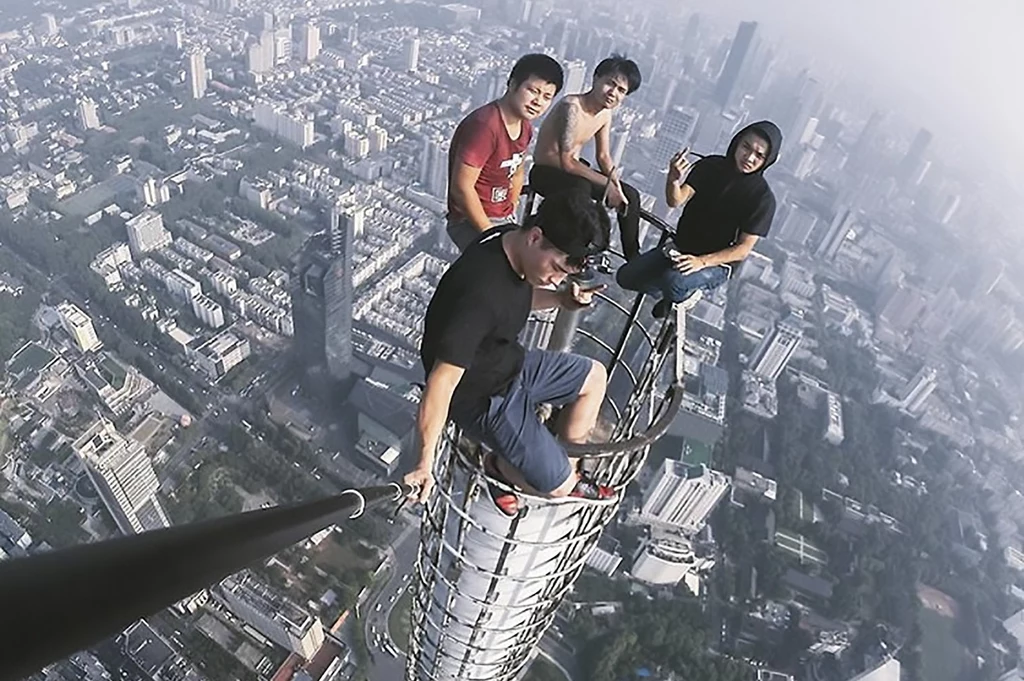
[(322, 299), (740, 50), (910, 167)]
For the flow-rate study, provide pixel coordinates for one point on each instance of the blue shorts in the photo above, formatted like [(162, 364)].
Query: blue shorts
[(510, 425)]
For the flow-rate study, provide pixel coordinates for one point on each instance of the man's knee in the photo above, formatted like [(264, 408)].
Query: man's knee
[(566, 488), (597, 379)]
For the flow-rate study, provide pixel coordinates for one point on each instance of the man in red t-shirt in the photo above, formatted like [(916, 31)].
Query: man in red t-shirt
[(485, 159)]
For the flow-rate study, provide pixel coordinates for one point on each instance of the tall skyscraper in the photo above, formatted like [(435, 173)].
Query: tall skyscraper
[(310, 41), (949, 208), (434, 166), (412, 54), (282, 44), (146, 232), (78, 326), (798, 225), (918, 389), (575, 77), (864, 147), (725, 89), (778, 345), (88, 114), (345, 221), (675, 133), (910, 170), (322, 297), (197, 76), (840, 226), (682, 497), (122, 473), (261, 54)]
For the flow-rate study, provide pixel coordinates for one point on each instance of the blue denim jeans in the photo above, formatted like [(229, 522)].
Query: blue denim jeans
[(653, 273)]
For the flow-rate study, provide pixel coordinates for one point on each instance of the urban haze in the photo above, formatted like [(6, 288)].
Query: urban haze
[(221, 226)]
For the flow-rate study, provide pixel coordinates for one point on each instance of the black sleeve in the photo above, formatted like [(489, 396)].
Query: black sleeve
[(760, 221), (460, 338), (699, 174)]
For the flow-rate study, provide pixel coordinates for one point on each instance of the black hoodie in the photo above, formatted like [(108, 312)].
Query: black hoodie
[(726, 200)]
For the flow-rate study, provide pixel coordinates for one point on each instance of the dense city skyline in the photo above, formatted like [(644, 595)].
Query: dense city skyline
[(222, 223)]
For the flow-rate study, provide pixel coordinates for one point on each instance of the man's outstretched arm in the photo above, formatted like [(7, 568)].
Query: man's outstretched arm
[(433, 414)]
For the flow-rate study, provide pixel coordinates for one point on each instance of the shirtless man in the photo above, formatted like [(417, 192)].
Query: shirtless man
[(573, 122)]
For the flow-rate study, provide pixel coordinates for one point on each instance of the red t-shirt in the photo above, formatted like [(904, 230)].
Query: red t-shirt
[(482, 141)]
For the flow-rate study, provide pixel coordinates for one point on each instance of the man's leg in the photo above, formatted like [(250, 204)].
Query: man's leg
[(462, 233), (629, 222), (644, 273), (548, 180), (678, 286)]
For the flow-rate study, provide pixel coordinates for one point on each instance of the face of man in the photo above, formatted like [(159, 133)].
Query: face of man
[(751, 153), (612, 88), (542, 263), (532, 98)]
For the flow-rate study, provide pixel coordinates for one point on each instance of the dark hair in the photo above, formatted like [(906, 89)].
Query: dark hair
[(573, 223), (618, 63), (540, 66)]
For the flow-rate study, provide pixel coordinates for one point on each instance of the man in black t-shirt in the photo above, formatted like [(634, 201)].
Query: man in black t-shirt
[(728, 207), (479, 375)]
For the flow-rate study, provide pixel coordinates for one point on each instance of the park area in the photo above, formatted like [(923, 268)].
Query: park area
[(942, 655)]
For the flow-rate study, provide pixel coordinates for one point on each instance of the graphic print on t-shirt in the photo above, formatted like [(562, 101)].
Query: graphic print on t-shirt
[(482, 141)]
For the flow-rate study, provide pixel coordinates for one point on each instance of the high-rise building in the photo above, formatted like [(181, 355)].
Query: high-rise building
[(798, 225), (347, 223), (836, 233), (271, 614), (988, 278), (146, 232), (122, 473), (682, 497), (48, 25), (310, 41), (949, 208), (197, 76), (276, 119), (901, 307), (322, 300), (412, 54), (918, 389), (575, 77), (78, 326), (434, 166), (725, 89), (776, 348), (261, 54), (88, 114), (864, 147), (208, 311), (675, 133), (282, 44), (219, 355), (667, 561), (912, 167)]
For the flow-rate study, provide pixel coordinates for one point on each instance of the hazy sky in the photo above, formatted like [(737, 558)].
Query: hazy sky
[(954, 67)]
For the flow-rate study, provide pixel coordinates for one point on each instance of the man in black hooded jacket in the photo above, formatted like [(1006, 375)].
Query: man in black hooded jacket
[(728, 207)]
